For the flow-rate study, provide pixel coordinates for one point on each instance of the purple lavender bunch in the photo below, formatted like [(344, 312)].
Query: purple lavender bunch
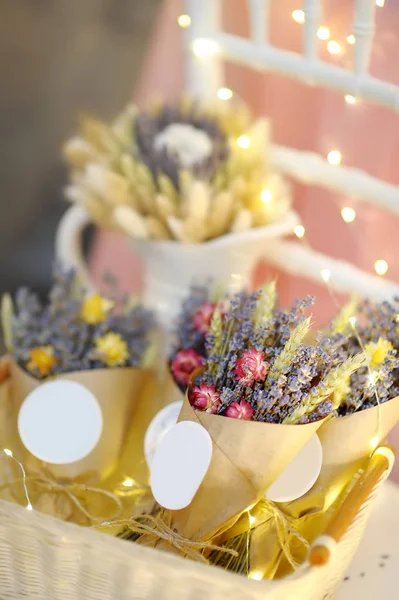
[(376, 329), (262, 369), (74, 331)]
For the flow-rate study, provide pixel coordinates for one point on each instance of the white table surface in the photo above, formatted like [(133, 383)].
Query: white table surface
[(374, 572)]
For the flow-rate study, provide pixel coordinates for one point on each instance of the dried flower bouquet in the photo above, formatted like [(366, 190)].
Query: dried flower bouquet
[(186, 171), (261, 393), (105, 344)]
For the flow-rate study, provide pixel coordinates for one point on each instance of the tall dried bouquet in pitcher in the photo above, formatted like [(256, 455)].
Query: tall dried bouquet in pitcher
[(183, 171)]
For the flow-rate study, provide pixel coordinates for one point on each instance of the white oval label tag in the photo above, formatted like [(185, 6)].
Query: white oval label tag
[(300, 474), (180, 464), (159, 426)]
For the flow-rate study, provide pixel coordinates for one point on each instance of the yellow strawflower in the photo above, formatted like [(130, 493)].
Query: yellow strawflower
[(42, 359), (378, 351), (112, 349), (95, 309)]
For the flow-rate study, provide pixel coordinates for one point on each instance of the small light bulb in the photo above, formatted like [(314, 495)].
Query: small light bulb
[(334, 157), (266, 196), (225, 94), (351, 39), (8, 452), (299, 231), (371, 379), (323, 33), (128, 482), (349, 99), (333, 47), (298, 16), (203, 47), (29, 506), (348, 214), (380, 3), (257, 575), (374, 442), (184, 21), (252, 520), (381, 266), (352, 321), (243, 141), (325, 275)]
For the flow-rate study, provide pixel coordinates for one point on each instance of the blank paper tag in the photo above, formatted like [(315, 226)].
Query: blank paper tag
[(180, 464), (159, 426), (60, 422), (300, 475)]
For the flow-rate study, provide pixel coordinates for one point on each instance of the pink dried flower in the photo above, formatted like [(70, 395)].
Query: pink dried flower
[(205, 397), (242, 410), (251, 366), (203, 317), (184, 364)]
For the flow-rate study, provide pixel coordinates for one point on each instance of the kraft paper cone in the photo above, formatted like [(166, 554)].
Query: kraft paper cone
[(117, 391), (347, 444), (247, 457)]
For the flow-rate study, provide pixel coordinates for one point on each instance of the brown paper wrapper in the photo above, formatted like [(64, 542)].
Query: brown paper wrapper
[(117, 391), (347, 444), (247, 457)]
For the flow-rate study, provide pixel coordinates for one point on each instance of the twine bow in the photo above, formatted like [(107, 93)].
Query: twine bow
[(156, 528), (284, 528)]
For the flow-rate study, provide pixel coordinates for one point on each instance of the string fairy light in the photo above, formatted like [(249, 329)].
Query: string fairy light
[(348, 214), (299, 16), (243, 141), (323, 33), (325, 275), (334, 157), (184, 21), (349, 99), (224, 93), (351, 39), (299, 231), (380, 3), (128, 482), (266, 196), (7, 452), (333, 47), (381, 266)]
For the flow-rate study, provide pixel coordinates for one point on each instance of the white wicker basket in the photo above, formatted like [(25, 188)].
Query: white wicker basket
[(44, 558)]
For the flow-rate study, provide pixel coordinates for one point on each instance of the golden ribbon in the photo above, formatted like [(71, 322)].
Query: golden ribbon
[(156, 528)]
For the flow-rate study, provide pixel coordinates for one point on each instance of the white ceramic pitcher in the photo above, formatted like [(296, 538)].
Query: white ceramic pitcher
[(170, 267)]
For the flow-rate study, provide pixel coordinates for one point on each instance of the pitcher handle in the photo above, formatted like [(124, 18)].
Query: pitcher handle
[(68, 242)]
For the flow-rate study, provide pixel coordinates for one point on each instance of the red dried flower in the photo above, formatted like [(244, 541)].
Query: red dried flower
[(184, 364), (203, 317), (242, 410), (251, 366), (205, 397)]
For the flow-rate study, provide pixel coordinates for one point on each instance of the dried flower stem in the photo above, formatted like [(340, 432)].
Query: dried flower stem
[(341, 323), (333, 382), (287, 354), (265, 304)]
